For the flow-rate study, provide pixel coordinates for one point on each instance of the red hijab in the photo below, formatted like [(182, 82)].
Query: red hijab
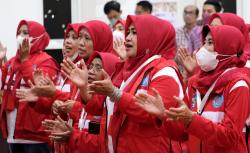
[(36, 30), (150, 41), (108, 61), (38, 44), (123, 22), (236, 21), (73, 26), (224, 44), (101, 35), (248, 27)]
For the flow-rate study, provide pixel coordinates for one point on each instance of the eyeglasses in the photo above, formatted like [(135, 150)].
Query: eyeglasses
[(189, 12), (96, 68)]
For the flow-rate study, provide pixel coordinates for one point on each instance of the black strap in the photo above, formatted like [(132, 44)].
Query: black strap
[(247, 134), (201, 147), (170, 148)]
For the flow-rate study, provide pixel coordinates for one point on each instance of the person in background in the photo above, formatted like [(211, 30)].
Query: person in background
[(188, 36), (143, 7), (113, 11), (119, 26), (119, 39), (209, 8)]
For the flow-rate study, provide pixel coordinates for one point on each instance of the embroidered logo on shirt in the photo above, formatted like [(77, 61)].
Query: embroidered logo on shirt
[(218, 101), (193, 102)]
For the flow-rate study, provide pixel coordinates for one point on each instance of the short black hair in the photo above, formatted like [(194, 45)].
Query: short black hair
[(146, 5), (216, 3), (112, 5)]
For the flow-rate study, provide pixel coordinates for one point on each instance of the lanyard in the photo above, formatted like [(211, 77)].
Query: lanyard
[(202, 102)]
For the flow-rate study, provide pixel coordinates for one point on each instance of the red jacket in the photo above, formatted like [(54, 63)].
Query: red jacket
[(29, 116), (83, 140), (138, 131), (219, 128)]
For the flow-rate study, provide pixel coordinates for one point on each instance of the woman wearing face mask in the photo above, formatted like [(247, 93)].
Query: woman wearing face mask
[(149, 65), (217, 97), (218, 19), (118, 39), (20, 121)]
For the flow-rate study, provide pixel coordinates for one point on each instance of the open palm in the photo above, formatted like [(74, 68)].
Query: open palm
[(79, 76), (3, 51), (26, 95), (188, 61), (151, 104)]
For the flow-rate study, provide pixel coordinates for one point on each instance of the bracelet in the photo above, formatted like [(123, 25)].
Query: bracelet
[(116, 95)]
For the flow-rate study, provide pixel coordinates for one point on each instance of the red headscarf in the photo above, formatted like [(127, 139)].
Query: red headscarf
[(236, 21), (37, 31), (73, 26), (150, 41), (224, 44), (248, 27), (108, 61), (123, 22), (38, 44), (101, 35)]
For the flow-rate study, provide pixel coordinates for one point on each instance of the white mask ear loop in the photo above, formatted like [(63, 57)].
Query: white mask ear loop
[(36, 38), (230, 56)]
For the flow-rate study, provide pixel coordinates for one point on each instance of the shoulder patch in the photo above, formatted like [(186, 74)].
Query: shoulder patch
[(218, 101)]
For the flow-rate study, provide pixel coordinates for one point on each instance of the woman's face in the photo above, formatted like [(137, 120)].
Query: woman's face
[(71, 44), (95, 70), (216, 22), (119, 27), (131, 42), (208, 43), (86, 46), (23, 31)]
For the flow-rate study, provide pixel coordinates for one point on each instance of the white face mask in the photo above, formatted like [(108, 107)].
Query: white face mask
[(208, 60), (20, 39), (118, 35)]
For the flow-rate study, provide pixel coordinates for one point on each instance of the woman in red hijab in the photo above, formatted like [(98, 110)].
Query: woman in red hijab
[(149, 65), (119, 26), (217, 97), (85, 135), (232, 20), (119, 39), (20, 121), (71, 43), (89, 36), (218, 19), (94, 35)]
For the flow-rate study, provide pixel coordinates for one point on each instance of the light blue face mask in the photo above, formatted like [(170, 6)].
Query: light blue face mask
[(113, 21)]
